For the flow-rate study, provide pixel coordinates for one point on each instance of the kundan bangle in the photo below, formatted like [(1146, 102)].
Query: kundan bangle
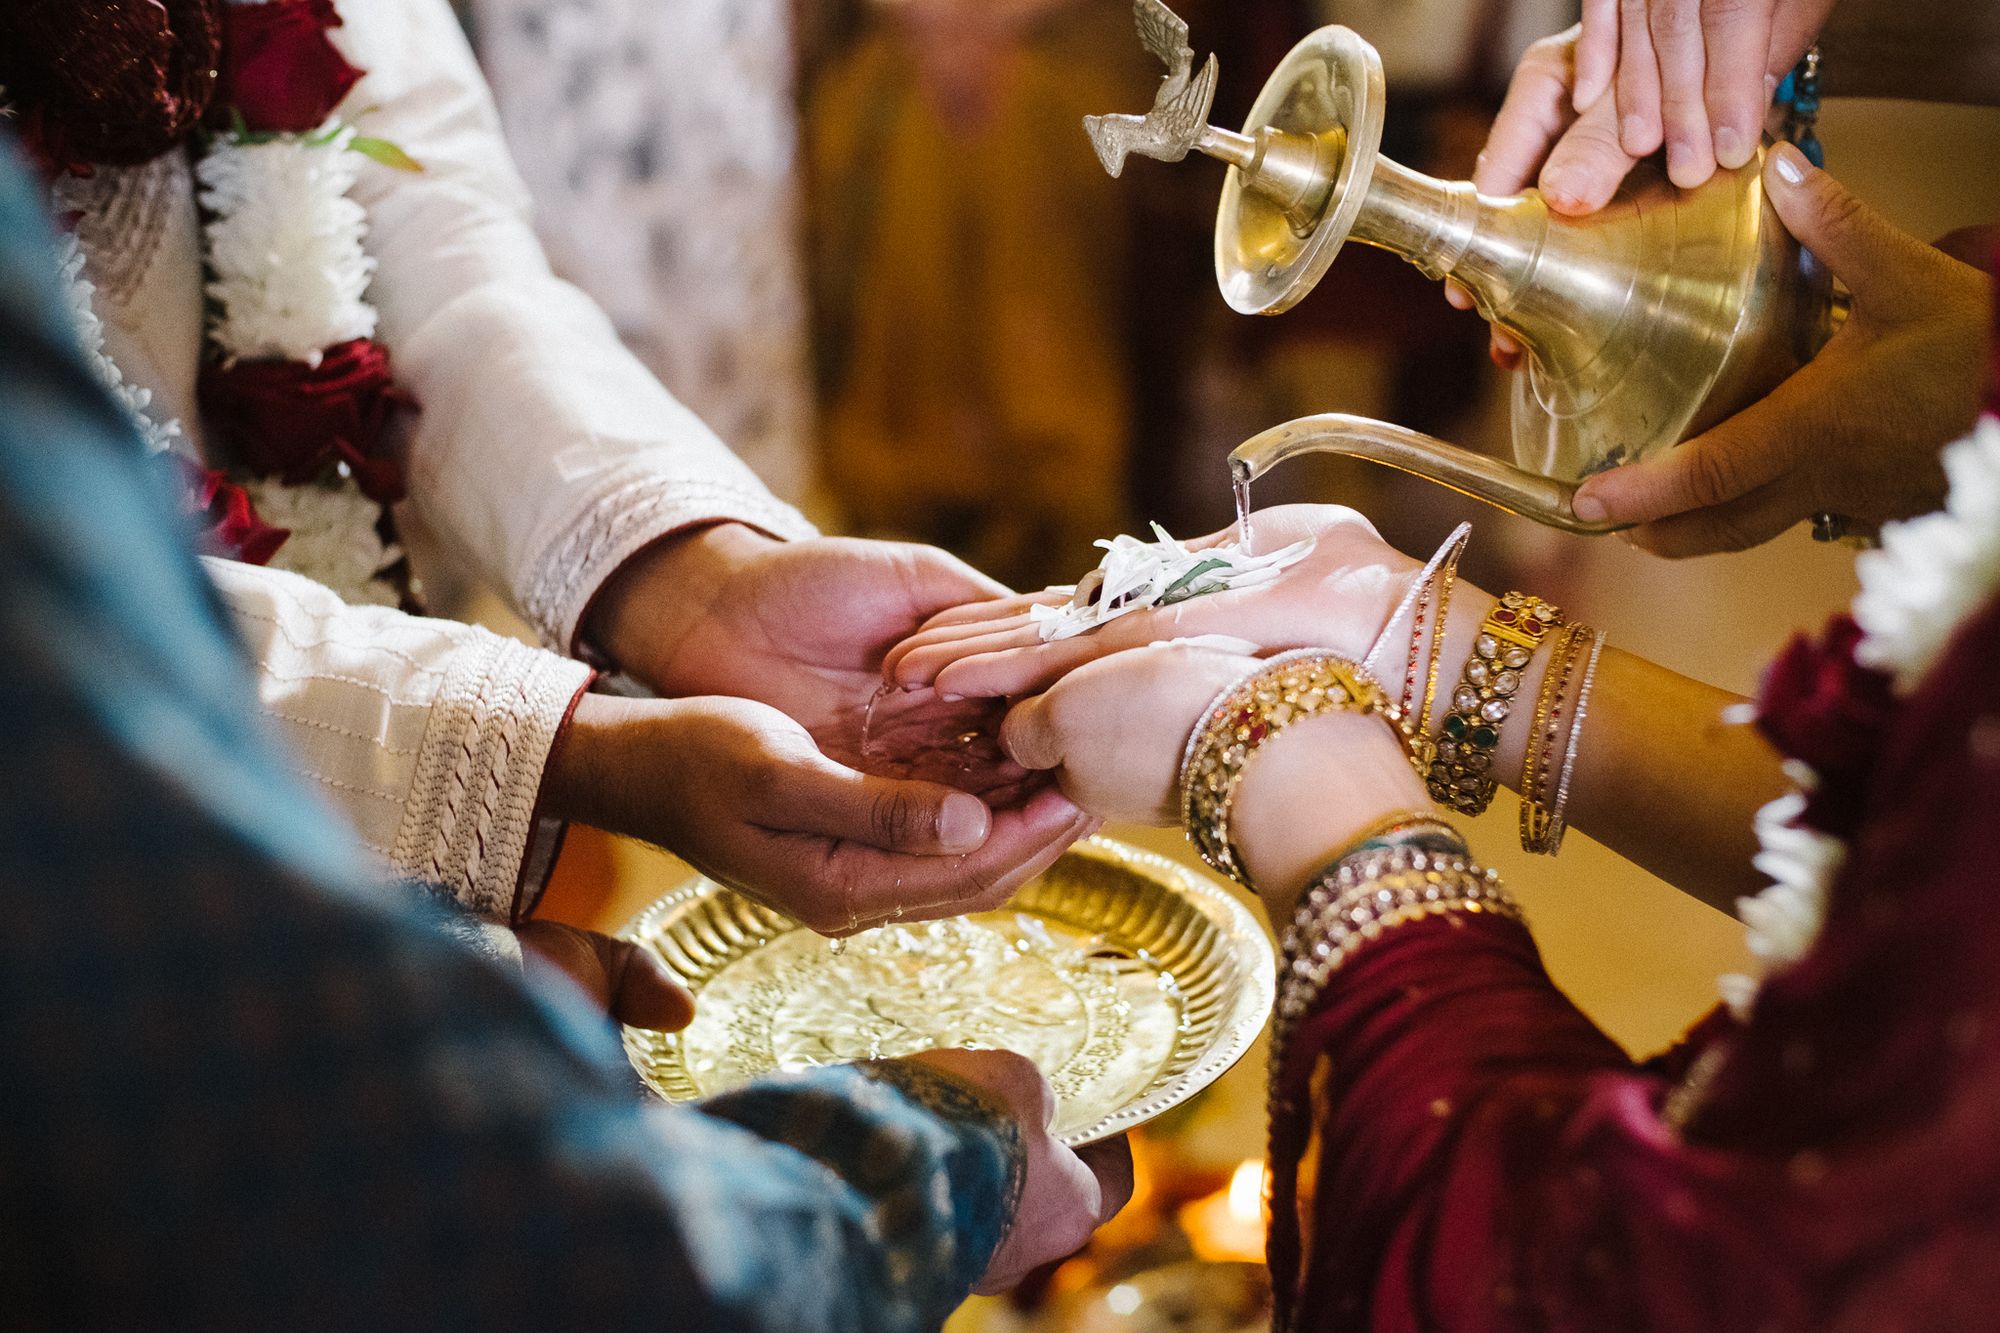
[(1539, 831), (1243, 717), (1461, 774)]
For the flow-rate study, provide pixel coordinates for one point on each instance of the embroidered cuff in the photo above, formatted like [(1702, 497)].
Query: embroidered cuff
[(631, 508), (470, 822)]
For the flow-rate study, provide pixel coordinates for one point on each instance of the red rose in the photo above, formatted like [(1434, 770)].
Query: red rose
[(280, 71), (229, 523), (294, 421), (1823, 708)]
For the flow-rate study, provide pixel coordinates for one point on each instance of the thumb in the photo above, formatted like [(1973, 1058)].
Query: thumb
[(1857, 243), (1029, 736), (628, 981), (935, 581), (893, 815), (1749, 450)]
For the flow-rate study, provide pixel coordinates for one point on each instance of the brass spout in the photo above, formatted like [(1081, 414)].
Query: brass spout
[(1499, 484)]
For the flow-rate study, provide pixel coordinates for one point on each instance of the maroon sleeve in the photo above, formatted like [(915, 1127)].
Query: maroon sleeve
[(1456, 1147)]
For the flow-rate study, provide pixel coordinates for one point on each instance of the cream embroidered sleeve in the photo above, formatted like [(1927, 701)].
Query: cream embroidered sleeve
[(545, 454), (431, 736)]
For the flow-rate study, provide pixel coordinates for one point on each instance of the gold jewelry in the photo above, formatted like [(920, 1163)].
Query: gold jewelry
[(1287, 689), (1539, 830), (1360, 899), (1559, 817), (1461, 776), (1407, 821), (1448, 579)]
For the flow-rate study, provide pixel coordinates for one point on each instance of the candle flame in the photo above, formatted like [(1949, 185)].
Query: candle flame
[(1246, 1193), (1228, 1225)]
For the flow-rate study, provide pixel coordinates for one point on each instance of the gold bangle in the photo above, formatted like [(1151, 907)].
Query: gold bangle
[(1393, 824), (1461, 775), (1539, 830), (1448, 579), (1242, 718)]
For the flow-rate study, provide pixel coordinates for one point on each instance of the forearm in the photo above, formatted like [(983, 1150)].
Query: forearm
[(429, 736), (545, 454), (1660, 778), (1931, 50)]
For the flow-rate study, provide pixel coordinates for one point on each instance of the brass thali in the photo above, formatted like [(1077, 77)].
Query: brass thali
[(1132, 982)]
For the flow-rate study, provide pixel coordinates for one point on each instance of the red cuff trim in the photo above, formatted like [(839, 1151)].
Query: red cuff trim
[(538, 866)]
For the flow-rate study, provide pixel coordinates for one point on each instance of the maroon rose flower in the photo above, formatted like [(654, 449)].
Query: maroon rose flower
[(294, 421), (114, 82), (229, 523), (280, 71), (1823, 708)]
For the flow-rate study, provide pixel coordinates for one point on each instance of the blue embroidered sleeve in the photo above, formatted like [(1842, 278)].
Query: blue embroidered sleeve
[(244, 1085)]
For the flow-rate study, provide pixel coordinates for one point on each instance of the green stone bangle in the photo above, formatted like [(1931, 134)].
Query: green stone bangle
[(1461, 776)]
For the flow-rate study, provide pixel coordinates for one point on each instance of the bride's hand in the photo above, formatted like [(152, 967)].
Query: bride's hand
[(1339, 597), (1113, 731)]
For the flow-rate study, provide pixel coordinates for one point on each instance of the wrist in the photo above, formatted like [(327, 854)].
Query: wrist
[(1310, 791), (598, 753), (646, 607)]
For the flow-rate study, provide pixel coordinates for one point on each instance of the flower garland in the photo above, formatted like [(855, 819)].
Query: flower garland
[(297, 395), (1826, 705)]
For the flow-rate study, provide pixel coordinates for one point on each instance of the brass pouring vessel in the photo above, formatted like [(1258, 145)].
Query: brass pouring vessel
[(1644, 323)]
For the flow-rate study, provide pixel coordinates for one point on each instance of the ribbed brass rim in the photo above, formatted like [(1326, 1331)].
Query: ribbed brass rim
[(1178, 922)]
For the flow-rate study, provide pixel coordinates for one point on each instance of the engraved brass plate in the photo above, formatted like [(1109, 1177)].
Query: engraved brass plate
[(1132, 982)]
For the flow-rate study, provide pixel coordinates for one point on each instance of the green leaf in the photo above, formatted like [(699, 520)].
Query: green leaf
[(1182, 588), (388, 154)]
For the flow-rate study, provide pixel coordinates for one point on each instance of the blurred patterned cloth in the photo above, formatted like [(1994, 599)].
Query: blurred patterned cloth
[(246, 1084), (970, 272), (660, 142)]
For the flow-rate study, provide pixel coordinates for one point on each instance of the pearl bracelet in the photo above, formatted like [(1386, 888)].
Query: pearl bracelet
[(1357, 901)]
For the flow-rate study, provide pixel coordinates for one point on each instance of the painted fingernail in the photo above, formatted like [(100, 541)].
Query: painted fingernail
[(1732, 150), (1589, 508), (1790, 164), (962, 823)]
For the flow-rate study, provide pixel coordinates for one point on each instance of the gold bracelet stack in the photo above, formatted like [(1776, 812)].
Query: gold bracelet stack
[(1461, 776), (1539, 829), (1356, 901), (1243, 717)]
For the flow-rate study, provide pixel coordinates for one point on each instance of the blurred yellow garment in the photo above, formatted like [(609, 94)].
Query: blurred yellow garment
[(970, 273)]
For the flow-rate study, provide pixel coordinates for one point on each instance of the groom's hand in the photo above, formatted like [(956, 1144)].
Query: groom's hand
[(803, 627), (739, 790)]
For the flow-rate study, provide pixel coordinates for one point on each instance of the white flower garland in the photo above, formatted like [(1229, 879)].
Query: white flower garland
[(1933, 572), (137, 402), (285, 244), (1929, 576), (286, 247), (334, 541)]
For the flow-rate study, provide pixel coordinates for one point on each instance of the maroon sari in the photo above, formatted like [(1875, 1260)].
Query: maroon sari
[(1469, 1154)]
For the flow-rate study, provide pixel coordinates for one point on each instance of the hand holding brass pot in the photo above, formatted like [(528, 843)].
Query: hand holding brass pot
[(1644, 323)]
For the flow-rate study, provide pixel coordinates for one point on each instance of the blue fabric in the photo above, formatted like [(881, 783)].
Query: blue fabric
[(245, 1084)]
